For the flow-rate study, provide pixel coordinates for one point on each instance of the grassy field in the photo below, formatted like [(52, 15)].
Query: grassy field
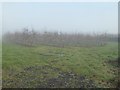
[(47, 66), (0, 64)]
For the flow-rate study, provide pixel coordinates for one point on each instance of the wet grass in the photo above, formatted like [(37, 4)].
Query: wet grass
[(0, 64), (37, 66)]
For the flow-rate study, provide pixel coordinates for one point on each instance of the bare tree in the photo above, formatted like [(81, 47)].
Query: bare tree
[(33, 38)]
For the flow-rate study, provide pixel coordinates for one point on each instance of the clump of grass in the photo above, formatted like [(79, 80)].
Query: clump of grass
[(89, 62)]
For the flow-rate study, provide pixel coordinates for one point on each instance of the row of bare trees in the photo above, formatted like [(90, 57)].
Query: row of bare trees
[(33, 38)]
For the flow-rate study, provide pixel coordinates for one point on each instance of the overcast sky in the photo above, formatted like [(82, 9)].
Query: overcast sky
[(66, 17)]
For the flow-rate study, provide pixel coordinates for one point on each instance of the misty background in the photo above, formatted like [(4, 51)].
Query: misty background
[(60, 45), (90, 17)]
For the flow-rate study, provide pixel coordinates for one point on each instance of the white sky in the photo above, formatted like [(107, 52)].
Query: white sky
[(66, 17)]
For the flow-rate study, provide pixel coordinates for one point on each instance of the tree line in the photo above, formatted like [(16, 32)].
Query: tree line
[(28, 37)]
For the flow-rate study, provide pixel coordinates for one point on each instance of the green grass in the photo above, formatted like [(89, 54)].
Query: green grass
[(0, 64), (89, 61)]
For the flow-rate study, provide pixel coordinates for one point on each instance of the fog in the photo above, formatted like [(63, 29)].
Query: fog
[(90, 17), (60, 45)]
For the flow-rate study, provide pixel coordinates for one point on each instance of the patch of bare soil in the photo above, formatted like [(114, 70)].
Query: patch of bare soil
[(68, 80), (40, 77)]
